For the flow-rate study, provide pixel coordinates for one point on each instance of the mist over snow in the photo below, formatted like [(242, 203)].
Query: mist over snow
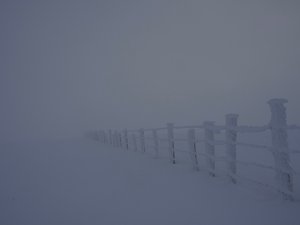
[(71, 66)]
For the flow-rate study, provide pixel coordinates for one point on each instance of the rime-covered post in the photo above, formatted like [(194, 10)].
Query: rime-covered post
[(192, 148), (104, 137), (209, 146), (142, 140), (115, 139), (117, 144), (231, 137), (120, 139), (110, 137), (170, 129), (101, 135), (134, 142), (278, 126), (97, 135), (155, 141), (126, 139)]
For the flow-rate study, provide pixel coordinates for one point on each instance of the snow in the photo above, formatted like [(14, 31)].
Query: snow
[(79, 181)]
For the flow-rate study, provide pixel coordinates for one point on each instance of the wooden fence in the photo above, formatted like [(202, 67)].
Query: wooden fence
[(278, 148)]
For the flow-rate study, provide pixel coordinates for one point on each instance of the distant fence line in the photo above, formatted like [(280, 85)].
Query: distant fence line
[(279, 148)]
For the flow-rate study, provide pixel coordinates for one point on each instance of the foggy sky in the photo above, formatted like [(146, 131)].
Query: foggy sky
[(70, 66)]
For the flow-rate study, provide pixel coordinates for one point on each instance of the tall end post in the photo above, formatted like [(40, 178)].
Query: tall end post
[(278, 126)]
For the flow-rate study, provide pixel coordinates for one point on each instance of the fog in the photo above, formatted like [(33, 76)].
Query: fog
[(71, 66)]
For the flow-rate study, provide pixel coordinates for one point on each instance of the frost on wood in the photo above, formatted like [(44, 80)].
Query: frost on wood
[(278, 127), (192, 148), (120, 139), (110, 137), (231, 136), (102, 133), (126, 139), (142, 140), (134, 142), (155, 140), (115, 139), (279, 148), (209, 146), (170, 128)]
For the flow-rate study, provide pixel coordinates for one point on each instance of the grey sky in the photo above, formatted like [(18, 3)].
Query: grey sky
[(69, 66)]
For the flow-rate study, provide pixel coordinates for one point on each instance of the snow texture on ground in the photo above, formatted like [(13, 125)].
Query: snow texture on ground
[(80, 181)]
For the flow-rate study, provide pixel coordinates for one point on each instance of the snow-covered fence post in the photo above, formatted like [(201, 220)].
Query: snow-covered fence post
[(142, 140), (126, 139), (231, 137), (96, 135), (134, 142), (110, 137), (120, 139), (115, 139), (170, 129), (104, 137), (209, 146), (192, 148), (155, 141), (279, 134), (101, 136)]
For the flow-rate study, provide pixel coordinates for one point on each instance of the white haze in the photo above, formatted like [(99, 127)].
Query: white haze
[(71, 66)]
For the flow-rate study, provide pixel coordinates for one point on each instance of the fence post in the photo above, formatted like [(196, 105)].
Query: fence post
[(101, 136), (104, 137), (192, 148), (231, 137), (279, 134), (126, 139), (120, 139), (209, 146), (110, 137), (142, 140), (155, 141), (115, 139), (170, 128), (134, 142), (97, 135)]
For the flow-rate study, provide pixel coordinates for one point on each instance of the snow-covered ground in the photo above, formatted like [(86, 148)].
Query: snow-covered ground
[(79, 181)]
